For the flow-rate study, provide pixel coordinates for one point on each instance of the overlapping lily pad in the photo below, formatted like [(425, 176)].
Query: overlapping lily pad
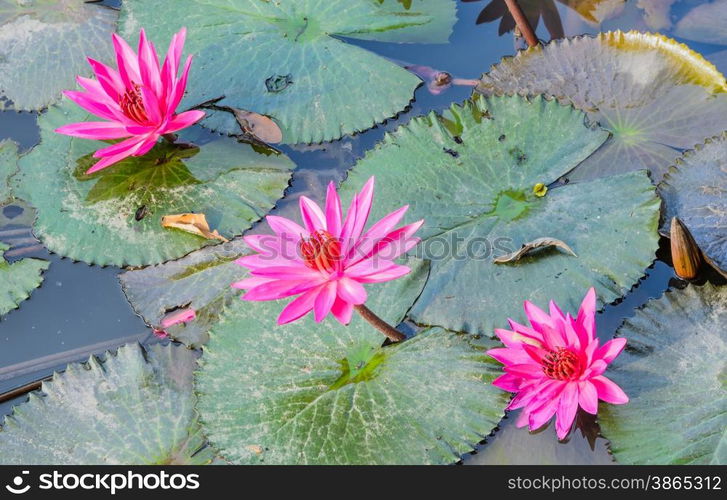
[(286, 59), (653, 94), (113, 216), (695, 190), (8, 165), (44, 45), (134, 408), (472, 175), (673, 370), (308, 393), (18, 279)]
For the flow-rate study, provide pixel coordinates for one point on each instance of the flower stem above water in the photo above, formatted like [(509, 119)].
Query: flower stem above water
[(392, 333)]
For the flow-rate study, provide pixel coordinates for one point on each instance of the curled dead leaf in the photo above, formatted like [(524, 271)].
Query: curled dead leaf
[(192, 223), (530, 246), (257, 125), (685, 254)]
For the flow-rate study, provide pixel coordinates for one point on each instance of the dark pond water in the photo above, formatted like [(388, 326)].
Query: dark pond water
[(80, 309)]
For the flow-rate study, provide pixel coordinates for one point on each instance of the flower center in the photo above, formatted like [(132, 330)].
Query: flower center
[(561, 365), (132, 105), (321, 251)]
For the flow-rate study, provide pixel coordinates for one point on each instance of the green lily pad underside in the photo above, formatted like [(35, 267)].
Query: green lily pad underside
[(673, 370), (18, 280), (470, 175), (285, 60), (695, 190), (309, 393), (8, 165), (95, 218), (133, 408), (34, 34), (655, 96)]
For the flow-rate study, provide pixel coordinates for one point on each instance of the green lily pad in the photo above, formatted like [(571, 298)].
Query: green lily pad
[(673, 369), (8, 165), (308, 393), (695, 190), (133, 408), (18, 280), (93, 218), (285, 59), (654, 95), (706, 23), (471, 174), (33, 36)]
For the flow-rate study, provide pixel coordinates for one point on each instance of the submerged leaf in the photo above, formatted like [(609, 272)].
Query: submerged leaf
[(192, 223), (695, 190), (133, 408), (480, 203), (654, 95), (310, 393), (673, 370), (705, 23), (95, 218), (290, 61), (531, 246), (44, 45)]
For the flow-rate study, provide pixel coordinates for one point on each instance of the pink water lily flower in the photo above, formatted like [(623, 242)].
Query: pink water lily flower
[(327, 260), (139, 100), (556, 365)]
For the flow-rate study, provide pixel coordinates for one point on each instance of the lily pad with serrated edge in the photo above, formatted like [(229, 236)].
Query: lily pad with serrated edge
[(286, 59), (93, 218), (18, 279), (695, 190), (8, 165), (470, 175), (673, 370), (133, 408), (308, 393), (656, 96), (44, 45)]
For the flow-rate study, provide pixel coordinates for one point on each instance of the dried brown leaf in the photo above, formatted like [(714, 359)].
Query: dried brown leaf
[(530, 246), (192, 223)]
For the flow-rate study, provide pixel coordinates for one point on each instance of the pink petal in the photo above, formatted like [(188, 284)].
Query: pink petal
[(525, 370), (365, 200), (587, 317), (371, 271), (507, 382), (130, 146), (149, 65), (608, 391), (347, 228), (595, 369), (126, 61), (541, 415), (107, 162), (543, 323), (290, 272), (397, 242), (517, 339), (342, 311), (178, 91), (312, 214), (263, 261), (183, 316), (151, 105), (298, 307), (378, 231), (324, 301), (94, 130), (91, 105), (251, 282), (333, 211), (567, 407), (278, 290), (608, 351), (286, 228), (351, 291), (109, 79), (263, 243), (525, 330), (146, 146), (183, 120), (509, 356), (588, 397)]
